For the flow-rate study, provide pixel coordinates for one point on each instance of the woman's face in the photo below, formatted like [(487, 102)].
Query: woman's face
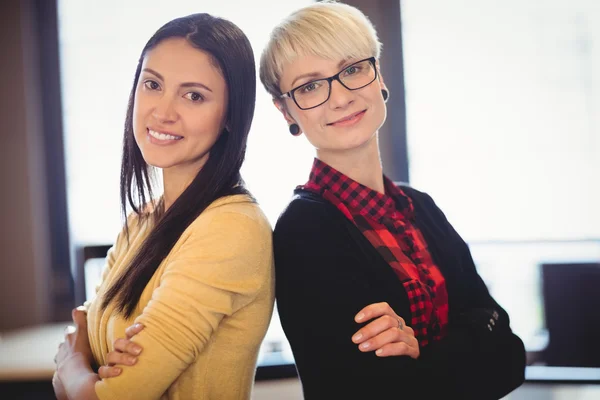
[(180, 106), (348, 120)]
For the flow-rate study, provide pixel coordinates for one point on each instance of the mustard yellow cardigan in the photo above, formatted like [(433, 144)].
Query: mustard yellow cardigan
[(206, 309)]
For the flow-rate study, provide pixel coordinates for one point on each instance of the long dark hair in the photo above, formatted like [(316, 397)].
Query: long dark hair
[(220, 176)]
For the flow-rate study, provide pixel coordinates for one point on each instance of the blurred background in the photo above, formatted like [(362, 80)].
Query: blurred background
[(497, 101)]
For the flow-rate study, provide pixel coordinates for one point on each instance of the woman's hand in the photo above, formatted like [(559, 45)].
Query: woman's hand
[(76, 344), (59, 388), (125, 353), (74, 377), (387, 335)]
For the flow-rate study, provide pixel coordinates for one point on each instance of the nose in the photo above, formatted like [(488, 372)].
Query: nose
[(164, 110), (340, 97)]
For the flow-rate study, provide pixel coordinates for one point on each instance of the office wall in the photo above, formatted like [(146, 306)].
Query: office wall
[(24, 283)]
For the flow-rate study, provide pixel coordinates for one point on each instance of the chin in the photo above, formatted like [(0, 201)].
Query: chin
[(160, 165), (357, 144), (357, 139), (157, 161)]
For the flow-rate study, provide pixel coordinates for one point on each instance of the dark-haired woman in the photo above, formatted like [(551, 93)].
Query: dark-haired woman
[(194, 266)]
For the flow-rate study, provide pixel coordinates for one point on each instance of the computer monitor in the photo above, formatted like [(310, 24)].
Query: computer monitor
[(551, 290), (571, 293)]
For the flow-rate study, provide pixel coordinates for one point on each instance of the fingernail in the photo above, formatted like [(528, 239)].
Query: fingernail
[(379, 352), (360, 316), (365, 345), (137, 326), (357, 337), (117, 370), (137, 350), (131, 360)]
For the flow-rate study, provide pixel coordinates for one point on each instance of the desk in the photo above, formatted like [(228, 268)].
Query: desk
[(28, 354)]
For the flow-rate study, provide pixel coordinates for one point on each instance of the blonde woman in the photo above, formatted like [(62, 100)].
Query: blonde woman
[(377, 293)]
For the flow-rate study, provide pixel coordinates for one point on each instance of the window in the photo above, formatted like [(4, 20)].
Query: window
[(100, 43), (503, 110)]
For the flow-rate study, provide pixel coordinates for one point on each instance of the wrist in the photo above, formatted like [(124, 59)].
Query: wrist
[(77, 377), (74, 367)]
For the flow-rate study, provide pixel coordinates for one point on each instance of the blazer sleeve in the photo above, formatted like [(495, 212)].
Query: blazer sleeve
[(319, 290), (481, 354), (221, 267)]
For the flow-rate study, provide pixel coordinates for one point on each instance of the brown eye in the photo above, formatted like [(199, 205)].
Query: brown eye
[(152, 85), (194, 96)]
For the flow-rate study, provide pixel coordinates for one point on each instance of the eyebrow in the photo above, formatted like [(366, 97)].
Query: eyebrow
[(184, 85), (317, 74)]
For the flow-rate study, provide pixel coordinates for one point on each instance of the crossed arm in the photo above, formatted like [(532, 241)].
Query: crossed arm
[(319, 290), (230, 277)]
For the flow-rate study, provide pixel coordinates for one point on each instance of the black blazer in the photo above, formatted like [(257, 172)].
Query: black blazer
[(326, 271)]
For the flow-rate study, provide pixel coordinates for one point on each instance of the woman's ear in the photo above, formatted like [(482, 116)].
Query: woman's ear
[(384, 90), (283, 110), (292, 125), (380, 77)]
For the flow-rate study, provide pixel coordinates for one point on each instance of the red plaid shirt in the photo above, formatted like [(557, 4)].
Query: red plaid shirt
[(385, 220)]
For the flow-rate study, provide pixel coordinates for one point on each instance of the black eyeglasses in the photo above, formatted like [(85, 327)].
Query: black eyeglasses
[(314, 93)]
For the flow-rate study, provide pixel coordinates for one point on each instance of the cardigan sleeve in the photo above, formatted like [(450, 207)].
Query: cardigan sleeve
[(222, 265)]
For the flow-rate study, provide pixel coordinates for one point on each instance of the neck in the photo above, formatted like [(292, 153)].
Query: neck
[(362, 164), (177, 179)]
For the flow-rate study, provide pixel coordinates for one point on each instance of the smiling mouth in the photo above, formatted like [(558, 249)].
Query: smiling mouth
[(163, 136), (349, 118)]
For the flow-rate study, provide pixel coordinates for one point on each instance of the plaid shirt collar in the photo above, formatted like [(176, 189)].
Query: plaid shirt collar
[(358, 198)]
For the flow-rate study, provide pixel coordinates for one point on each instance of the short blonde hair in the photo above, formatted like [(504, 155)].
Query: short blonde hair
[(327, 29)]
